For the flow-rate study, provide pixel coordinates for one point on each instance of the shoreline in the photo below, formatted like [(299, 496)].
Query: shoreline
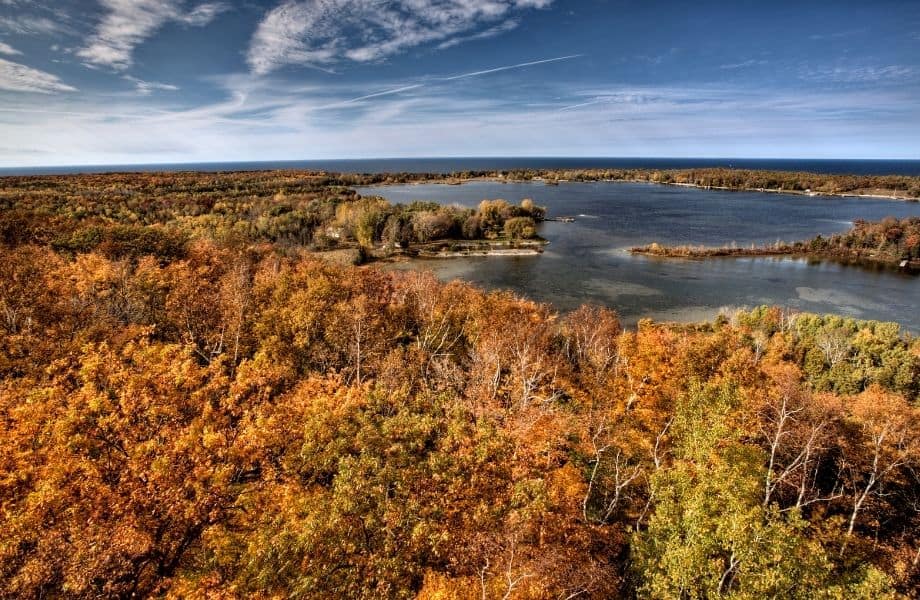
[(464, 248), (904, 188), (494, 179), (443, 249), (880, 187), (704, 253), (490, 252)]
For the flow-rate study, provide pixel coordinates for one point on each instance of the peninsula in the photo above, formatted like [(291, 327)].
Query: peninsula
[(890, 242), (157, 214)]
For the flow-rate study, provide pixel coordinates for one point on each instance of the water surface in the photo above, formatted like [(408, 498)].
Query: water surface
[(588, 261)]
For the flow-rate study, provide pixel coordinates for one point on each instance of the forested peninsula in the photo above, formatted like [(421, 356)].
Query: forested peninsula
[(194, 405), (890, 242), (135, 214)]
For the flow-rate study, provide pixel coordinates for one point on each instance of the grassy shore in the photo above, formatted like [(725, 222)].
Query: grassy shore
[(500, 247)]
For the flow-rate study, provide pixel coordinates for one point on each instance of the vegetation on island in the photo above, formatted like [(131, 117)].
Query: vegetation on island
[(890, 242), (193, 406)]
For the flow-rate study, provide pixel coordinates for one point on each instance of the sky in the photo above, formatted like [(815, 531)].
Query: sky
[(86, 82)]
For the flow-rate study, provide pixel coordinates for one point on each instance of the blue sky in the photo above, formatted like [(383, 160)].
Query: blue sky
[(147, 81)]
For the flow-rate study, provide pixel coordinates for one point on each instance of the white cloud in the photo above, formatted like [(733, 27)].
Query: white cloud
[(20, 78), (436, 80), (861, 74), (203, 14), (323, 32), (743, 64), (491, 32), (510, 67), (145, 88), (272, 120), (259, 118), (836, 35), (8, 50), (31, 25), (128, 23)]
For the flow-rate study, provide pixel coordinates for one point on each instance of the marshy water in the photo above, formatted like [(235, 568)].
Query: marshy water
[(588, 260)]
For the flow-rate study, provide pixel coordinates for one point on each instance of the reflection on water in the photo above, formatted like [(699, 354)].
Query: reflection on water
[(587, 261)]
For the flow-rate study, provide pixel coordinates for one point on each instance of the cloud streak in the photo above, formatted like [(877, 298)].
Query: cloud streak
[(410, 87), (391, 92), (325, 32), (15, 77), (743, 64), (861, 74), (146, 88), (510, 67), (31, 25), (491, 32), (273, 122), (9, 50), (128, 23)]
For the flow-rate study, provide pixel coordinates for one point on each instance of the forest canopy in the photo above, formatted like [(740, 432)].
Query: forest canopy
[(225, 415)]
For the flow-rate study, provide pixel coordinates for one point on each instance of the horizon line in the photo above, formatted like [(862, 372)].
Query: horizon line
[(451, 157)]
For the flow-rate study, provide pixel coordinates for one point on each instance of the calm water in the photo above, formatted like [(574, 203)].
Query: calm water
[(587, 261), (450, 165)]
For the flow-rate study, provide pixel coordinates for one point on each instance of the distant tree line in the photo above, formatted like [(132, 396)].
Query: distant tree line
[(719, 178)]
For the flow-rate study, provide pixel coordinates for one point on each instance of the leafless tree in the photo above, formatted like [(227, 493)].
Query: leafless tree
[(835, 344), (621, 472)]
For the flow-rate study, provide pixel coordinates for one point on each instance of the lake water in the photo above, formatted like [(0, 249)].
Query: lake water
[(588, 261)]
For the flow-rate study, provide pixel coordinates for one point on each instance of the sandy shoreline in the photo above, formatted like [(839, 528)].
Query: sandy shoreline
[(492, 252)]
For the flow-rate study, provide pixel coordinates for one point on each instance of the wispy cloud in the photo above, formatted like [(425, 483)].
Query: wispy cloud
[(436, 80), (861, 74), (145, 88), (743, 64), (836, 35), (269, 119), (8, 50), (20, 78), (357, 99), (203, 14), (322, 33), (31, 25), (633, 97), (491, 32), (510, 67), (128, 23), (591, 102)]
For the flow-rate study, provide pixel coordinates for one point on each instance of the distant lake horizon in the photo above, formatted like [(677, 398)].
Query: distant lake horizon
[(909, 167)]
